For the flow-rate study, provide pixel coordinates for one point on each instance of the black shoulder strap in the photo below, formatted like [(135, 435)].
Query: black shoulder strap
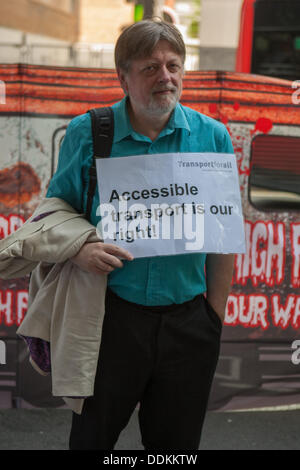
[(102, 131)]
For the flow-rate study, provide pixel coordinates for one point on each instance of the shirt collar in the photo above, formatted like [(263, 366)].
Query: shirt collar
[(124, 128)]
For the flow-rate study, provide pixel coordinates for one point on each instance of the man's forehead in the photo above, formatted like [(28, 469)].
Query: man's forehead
[(159, 49)]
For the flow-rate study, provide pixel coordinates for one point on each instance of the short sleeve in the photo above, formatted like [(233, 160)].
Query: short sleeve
[(227, 146), (74, 158)]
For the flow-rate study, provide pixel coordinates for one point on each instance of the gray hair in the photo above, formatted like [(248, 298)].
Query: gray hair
[(138, 41)]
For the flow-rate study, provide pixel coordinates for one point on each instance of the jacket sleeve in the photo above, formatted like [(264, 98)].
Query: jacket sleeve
[(54, 238)]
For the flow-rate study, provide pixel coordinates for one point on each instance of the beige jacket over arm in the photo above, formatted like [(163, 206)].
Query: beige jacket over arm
[(66, 305)]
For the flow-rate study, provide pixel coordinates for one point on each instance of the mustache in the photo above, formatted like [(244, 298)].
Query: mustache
[(165, 88)]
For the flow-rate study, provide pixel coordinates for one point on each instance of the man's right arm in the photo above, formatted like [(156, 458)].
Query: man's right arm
[(76, 152)]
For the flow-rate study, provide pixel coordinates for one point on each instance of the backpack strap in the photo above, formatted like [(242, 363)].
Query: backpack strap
[(102, 131)]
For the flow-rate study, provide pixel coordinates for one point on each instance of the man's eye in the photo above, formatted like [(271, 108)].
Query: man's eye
[(150, 69), (174, 67)]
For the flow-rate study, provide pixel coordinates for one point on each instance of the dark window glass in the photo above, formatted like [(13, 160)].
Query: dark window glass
[(276, 50), (274, 181), (276, 54)]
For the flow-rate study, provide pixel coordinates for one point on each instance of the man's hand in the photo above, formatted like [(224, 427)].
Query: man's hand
[(100, 258)]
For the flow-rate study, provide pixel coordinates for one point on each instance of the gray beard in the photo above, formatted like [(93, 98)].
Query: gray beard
[(159, 109)]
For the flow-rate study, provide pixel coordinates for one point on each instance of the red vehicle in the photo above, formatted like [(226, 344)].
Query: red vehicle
[(269, 42)]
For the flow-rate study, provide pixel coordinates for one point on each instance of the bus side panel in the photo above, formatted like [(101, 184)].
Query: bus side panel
[(258, 365), (262, 317)]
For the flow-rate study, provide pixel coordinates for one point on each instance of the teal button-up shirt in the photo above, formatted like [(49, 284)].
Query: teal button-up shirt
[(160, 280)]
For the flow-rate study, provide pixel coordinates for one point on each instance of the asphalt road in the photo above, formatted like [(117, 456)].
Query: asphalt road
[(48, 429)]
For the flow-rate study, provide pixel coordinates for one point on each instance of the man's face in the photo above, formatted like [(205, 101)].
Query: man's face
[(154, 84)]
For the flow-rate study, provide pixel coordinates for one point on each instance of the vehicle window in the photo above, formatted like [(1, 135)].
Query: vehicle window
[(276, 54), (274, 181)]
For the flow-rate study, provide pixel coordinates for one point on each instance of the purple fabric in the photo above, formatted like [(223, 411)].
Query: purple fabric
[(41, 216), (39, 350)]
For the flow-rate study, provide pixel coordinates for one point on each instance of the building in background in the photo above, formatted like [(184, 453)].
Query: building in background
[(82, 33), (100, 23), (219, 34), (38, 31), (188, 14), (61, 32)]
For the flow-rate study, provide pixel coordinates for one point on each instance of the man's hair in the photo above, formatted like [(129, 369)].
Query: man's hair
[(138, 41)]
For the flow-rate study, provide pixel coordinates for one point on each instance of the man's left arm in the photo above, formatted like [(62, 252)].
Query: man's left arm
[(219, 272), (219, 267)]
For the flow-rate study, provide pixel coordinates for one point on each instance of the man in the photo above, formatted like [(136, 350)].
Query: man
[(161, 335)]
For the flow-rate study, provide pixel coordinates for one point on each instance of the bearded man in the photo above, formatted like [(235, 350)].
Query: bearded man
[(163, 315)]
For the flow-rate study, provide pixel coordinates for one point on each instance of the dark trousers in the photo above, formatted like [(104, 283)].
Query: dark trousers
[(163, 358)]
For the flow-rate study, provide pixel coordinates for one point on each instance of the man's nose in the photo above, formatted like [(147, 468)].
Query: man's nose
[(164, 74)]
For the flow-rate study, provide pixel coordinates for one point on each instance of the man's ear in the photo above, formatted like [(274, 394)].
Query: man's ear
[(122, 80)]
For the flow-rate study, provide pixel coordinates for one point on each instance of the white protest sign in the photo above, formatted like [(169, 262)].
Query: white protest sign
[(174, 203)]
